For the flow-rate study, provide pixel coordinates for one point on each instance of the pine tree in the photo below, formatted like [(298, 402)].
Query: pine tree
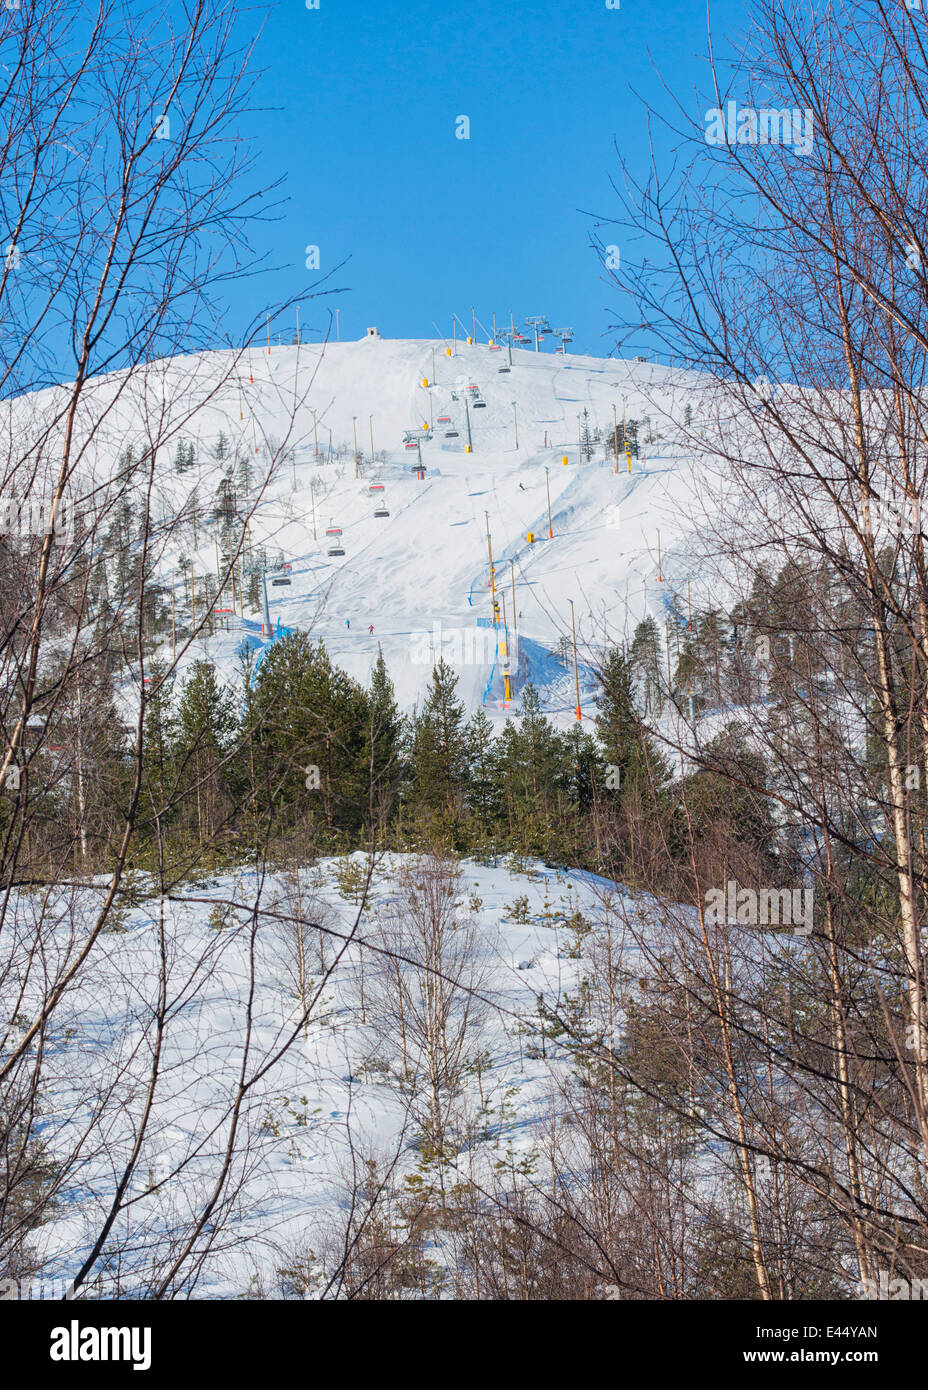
[(206, 724), (482, 784), (586, 438), (645, 659), (627, 746), (159, 735), (245, 474), (439, 748), (310, 713), (382, 752), (531, 766)]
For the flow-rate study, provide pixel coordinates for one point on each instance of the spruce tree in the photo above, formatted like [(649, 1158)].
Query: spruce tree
[(205, 730), (482, 785), (381, 755), (627, 746), (440, 748)]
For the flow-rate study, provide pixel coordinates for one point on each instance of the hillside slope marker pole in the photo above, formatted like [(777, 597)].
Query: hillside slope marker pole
[(573, 627), (512, 576), (507, 683), (490, 554)]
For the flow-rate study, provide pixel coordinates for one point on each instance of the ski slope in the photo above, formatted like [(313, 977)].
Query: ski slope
[(421, 575)]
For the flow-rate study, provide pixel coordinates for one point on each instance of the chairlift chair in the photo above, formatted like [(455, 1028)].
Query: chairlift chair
[(337, 549), (381, 510), (451, 434), (276, 583)]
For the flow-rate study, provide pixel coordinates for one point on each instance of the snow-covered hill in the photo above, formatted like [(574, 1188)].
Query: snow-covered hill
[(420, 575)]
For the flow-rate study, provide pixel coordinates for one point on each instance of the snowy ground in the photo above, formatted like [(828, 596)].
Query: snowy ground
[(301, 1112)]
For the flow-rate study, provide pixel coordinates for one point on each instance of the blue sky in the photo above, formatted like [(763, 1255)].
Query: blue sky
[(359, 103)]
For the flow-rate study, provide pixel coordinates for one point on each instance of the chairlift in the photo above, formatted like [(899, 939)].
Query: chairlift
[(411, 444), (444, 419), (276, 583), (337, 549), (451, 434), (381, 511), (479, 404), (376, 487), (333, 530), (503, 370)]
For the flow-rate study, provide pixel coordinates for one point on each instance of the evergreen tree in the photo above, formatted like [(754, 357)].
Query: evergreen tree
[(645, 659), (205, 730), (482, 785), (159, 735), (311, 714), (382, 752), (440, 749), (530, 763), (627, 746), (586, 437)]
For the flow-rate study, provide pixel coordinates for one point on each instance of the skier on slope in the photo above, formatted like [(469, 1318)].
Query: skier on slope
[(371, 629), (347, 622)]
